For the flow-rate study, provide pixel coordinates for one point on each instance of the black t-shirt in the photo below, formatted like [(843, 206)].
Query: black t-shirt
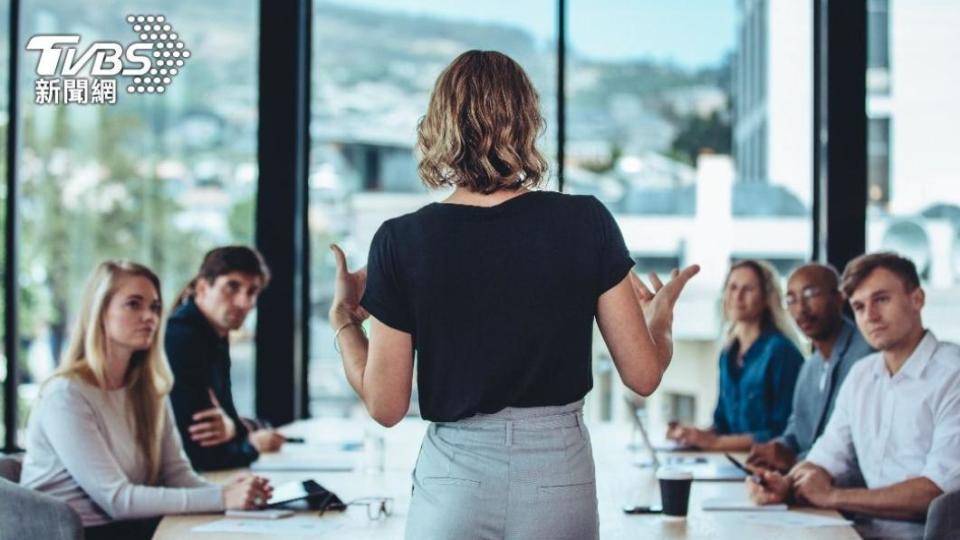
[(499, 300)]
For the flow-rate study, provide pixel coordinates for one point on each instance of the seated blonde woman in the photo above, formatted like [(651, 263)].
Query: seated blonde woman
[(102, 436), (759, 365)]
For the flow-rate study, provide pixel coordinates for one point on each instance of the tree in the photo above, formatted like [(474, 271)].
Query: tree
[(699, 134)]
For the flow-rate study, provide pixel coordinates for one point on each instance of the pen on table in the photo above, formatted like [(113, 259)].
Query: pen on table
[(755, 478), (265, 424)]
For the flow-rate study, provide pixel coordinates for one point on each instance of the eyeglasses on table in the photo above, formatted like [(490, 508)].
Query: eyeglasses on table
[(377, 507)]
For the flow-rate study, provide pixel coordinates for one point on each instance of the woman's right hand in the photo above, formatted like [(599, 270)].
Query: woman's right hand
[(347, 292), (246, 492)]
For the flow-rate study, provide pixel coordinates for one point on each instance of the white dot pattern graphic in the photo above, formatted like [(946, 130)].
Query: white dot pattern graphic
[(168, 51)]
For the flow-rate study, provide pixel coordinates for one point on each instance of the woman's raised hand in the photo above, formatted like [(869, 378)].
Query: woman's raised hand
[(658, 304), (347, 292)]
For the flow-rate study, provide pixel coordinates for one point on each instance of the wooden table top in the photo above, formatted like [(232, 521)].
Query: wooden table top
[(619, 482)]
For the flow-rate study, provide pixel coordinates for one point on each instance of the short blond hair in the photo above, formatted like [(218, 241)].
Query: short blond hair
[(481, 126)]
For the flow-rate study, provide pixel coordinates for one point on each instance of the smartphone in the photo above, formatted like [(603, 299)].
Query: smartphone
[(642, 510), (315, 495)]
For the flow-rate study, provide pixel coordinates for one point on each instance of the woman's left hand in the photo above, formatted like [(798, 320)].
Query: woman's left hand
[(348, 290)]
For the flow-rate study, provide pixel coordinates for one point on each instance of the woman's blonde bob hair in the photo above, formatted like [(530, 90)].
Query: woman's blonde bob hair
[(774, 315), (148, 379), (481, 127)]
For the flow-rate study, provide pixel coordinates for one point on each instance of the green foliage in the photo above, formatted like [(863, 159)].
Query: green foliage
[(606, 165), (699, 134), (90, 200), (241, 218)]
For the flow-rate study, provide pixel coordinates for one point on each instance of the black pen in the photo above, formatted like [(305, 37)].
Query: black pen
[(755, 478), (294, 440)]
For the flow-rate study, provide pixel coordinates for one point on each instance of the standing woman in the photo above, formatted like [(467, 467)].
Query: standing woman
[(102, 435), (759, 364), (496, 289)]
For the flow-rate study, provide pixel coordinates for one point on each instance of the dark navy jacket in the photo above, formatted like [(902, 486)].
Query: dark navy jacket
[(200, 359)]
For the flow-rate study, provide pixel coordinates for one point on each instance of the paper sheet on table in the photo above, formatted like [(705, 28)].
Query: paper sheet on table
[(293, 526), (742, 505), (277, 465), (793, 520)]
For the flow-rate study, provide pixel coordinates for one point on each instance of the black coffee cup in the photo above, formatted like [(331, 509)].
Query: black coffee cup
[(674, 491)]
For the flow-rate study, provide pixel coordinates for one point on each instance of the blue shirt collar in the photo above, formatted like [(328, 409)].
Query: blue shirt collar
[(765, 334)]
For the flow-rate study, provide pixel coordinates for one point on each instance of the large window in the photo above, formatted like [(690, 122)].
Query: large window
[(155, 178), (696, 133), (878, 46), (374, 65), (914, 205), (4, 125)]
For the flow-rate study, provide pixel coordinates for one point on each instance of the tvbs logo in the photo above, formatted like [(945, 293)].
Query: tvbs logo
[(150, 64)]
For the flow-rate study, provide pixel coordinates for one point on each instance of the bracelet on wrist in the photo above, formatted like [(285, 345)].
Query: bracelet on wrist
[(336, 335)]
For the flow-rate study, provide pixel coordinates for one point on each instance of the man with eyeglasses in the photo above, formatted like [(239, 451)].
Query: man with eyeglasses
[(816, 305)]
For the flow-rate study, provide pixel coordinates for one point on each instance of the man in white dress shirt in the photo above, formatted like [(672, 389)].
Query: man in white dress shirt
[(897, 416)]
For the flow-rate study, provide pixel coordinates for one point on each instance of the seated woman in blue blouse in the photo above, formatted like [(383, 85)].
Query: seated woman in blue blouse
[(758, 365)]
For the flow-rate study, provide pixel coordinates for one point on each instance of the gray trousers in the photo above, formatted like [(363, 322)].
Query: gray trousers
[(521, 473)]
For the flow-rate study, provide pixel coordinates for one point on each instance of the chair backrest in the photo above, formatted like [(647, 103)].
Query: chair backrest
[(943, 517), (10, 467), (25, 513)]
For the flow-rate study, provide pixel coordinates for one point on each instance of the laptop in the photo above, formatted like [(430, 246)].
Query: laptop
[(704, 468)]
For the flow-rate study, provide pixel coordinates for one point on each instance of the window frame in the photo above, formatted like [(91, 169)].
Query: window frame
[(840, 59)]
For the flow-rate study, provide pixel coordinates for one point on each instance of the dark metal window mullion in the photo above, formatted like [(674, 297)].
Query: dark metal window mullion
[(10, 239), (561, 90), (282, 235), (840, 154)]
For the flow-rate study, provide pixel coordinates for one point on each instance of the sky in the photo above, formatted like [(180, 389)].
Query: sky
[(690, 33)]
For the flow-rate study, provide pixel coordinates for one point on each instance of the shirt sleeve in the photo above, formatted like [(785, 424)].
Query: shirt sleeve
[(720, 424), (833, 450), (175, 468), (190, 395), (69, 422), (615, 260), (784, 368), (789, 437), (384, 296), (942, 466)]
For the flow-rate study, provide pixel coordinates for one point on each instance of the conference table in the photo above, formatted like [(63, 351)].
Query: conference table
[(620, 482)]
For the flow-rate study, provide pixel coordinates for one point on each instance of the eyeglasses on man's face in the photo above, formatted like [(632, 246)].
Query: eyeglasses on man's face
[(806, 295)]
